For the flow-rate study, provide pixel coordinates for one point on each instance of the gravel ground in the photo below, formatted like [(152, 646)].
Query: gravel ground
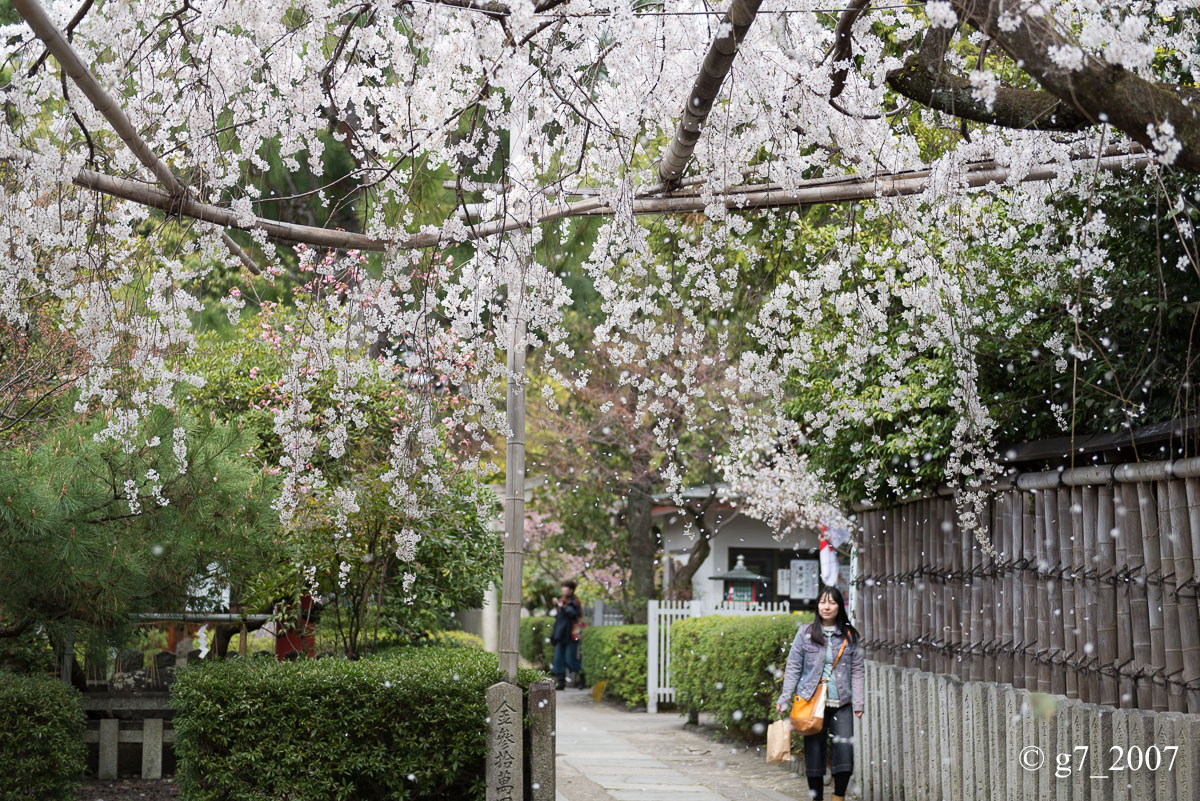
[(128, 790)]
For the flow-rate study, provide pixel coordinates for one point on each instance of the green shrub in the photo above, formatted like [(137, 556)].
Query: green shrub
[(535, 645), (42, 755), (410, 724), (732, 666), (456, 639), (616, 655)]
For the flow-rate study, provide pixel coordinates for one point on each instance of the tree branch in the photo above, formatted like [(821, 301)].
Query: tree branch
[(1098, 91), (73, 65), (716, 66), (842, 43), (924, 79)]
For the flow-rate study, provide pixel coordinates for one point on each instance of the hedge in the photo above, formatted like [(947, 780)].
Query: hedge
[(534, 646), (42, 755), (410, 724), (616, 655), (456, 639), (732, 666)]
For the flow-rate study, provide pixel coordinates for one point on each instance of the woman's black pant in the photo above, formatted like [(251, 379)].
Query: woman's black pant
[(837, 732)]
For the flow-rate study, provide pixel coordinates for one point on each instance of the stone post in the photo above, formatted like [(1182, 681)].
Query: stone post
[(505, 760), (541, 742)]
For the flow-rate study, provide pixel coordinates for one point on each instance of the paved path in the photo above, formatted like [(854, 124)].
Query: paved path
[(608, 754)]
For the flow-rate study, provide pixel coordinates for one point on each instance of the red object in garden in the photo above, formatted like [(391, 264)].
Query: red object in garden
[(301, 638)]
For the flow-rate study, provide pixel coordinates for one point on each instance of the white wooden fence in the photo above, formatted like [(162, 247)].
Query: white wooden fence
[(659, 617)]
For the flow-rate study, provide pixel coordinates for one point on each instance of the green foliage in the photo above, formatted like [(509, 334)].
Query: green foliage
[(535, 647), (42, 755), (732, 666), (355, 557), (456, 639), (410, 724), (616, 655), (1136, 370), (28, 652), (91, 532)]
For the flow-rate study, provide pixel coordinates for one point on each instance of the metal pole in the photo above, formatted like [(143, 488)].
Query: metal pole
[(514, 500)]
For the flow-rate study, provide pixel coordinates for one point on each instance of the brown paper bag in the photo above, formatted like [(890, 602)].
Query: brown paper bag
[(779, 742)]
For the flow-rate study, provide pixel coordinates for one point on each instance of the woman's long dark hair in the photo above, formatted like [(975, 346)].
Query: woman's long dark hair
[(841, 622)]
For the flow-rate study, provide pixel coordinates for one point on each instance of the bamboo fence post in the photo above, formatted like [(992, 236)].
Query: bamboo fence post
[(1079, 610), (1016, 592), (1192, 493), (924, 598), (1064, 602), (957, 587), (1003, 599), (889, 561), (866, 573), (1172, 636), (1148, 512), (1172, 623), (1046, 513), (905, 586), (1056, 592), (1029, 592), (1087, 496), (1123, 596), (1106, 609), (942, 561), (912, 562), (974, 625), (987, 593), (1139, 606)]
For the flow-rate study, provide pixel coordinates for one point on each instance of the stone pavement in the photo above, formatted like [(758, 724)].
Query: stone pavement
[(608, 754)]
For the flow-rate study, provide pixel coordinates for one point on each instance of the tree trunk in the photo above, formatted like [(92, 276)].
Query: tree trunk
[(681, 582), (642, 545)]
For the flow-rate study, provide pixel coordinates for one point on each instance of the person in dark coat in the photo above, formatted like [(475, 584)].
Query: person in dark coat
[(567, 612), (812, 658)]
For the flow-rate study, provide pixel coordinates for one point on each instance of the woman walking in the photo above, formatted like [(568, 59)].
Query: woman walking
[(568, 610), (829, 648)]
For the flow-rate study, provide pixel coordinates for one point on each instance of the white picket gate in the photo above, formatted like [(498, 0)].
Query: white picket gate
[(659, 617)]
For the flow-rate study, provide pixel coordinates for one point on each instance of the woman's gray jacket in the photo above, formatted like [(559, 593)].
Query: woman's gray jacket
[(806, 663)]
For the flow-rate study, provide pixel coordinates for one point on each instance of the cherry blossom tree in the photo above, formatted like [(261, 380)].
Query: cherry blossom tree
[(135, 131)]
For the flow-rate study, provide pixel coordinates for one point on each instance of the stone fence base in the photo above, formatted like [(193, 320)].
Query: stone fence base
[(931, 737)]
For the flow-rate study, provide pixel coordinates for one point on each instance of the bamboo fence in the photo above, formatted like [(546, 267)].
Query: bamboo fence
[(1093, 596)]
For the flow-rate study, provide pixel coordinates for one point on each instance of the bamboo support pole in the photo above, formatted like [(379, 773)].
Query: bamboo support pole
[(514, 502), (832, 190)]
